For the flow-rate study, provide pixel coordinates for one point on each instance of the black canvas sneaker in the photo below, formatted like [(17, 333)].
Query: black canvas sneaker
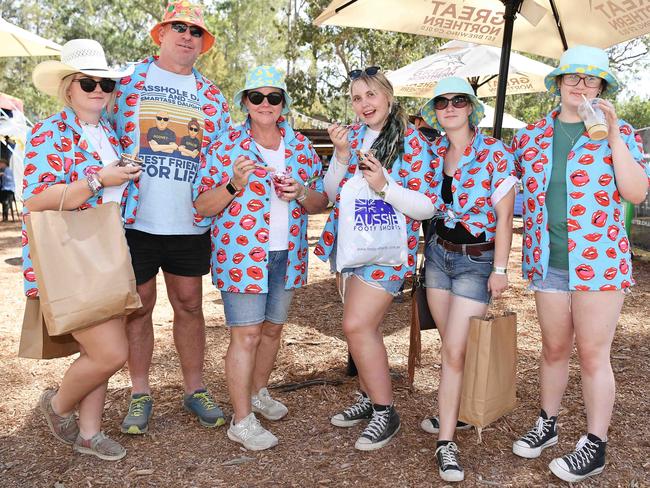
[(383, 425), (449, 467), (587, 460), (541, 436), (352, 415), (432, 425)]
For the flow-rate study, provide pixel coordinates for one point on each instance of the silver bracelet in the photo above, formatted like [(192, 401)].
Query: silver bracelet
[(93, 183), (303, 197), (500, 270)]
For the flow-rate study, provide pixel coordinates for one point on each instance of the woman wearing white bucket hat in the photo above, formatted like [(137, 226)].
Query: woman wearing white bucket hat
[(576, 251), (74, 152), (467, 252)]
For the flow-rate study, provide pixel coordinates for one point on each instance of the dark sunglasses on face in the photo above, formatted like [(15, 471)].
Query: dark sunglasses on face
[(194, 129), (459, 101), (574, 80), (370, 71), (88, 84), (274, 98), (180, 27), (163, 119)]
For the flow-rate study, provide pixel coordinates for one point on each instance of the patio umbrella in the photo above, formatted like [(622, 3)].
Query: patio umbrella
[(545, 27), (15, 41), (509, 122), (478, 63)]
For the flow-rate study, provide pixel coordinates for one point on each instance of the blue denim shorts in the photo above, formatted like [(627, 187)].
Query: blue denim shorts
[(254, 308), (464, 276), (556, 281), (390, 286)]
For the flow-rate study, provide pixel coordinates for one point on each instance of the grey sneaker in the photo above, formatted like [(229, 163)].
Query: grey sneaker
[(250, 433), (137, 419), (201, 404), (101, 446), (270, 408), (64, 428)]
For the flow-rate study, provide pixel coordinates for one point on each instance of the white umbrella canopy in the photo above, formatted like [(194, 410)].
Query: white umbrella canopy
[(509, 122), (15, 41), (599, 23), (478, 63)]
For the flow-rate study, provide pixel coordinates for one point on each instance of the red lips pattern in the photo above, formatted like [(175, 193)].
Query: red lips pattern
[(598, 248), (55, 157), (241, 252), (213, 106)]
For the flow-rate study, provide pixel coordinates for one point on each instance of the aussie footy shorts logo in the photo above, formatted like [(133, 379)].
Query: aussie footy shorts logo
[(374, 215)]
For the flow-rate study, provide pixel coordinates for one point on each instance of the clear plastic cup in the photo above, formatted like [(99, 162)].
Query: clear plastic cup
[(130, 160), (594, 119), (279, 181)]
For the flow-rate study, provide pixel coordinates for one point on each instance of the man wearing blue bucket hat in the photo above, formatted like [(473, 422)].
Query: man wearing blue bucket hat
[(467, 251), (261, 181), (575, 250)]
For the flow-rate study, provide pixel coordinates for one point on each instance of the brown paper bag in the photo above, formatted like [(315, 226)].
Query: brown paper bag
[(35, 343), (82, 266), (489, 380)]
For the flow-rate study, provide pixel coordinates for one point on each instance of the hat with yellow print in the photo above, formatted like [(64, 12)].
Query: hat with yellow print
[(184, 11), (264, 76), (585, 60)]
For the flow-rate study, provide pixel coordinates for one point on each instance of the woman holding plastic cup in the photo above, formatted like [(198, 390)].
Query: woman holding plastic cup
[(576, 250), (261, 181), (467, 253), (395, 160)]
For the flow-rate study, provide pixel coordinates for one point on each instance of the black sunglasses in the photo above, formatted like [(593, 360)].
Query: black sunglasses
[(194, 129), (180, 27), (88, 84), (274, 98), (164, 119), (459, 101), (370, 71)]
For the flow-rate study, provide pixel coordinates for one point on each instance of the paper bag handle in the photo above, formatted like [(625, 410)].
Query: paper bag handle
[(65, 190)]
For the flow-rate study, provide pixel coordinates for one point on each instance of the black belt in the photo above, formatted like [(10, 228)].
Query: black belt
[(470, 249)]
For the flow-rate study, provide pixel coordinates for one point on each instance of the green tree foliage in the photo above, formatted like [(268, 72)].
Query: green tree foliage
[(635, 111)]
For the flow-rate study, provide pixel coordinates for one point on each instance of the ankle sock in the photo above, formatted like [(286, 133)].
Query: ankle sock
[(441, 443), (380, 408), (596, 439)]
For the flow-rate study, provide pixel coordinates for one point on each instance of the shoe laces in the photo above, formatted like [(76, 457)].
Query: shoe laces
[(251, 427), (360, 405), (542, 427), (137, 406), (205, 400), (67, 421), (449, 454), (584, 453), (377, 423)]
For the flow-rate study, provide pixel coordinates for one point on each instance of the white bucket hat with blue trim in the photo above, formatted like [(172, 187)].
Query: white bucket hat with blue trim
[(584, 60), (264, 76), (452, 84)]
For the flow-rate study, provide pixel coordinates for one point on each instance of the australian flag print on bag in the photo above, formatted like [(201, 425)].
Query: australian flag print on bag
[(371, 231)]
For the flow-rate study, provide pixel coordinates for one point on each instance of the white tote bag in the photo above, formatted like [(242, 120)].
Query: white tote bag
[(370, 230)]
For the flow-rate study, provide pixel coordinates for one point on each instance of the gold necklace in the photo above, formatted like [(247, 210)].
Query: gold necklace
[(572, 139)]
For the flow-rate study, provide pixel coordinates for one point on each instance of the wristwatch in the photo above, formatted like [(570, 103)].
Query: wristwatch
[(500, 270), (232, 189), (382, 193)]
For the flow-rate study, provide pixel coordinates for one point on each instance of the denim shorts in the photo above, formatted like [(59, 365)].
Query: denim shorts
[(556, 281), (254, 308), (463, 275), (390, 286)]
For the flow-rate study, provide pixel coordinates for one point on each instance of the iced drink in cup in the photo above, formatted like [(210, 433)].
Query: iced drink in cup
[(279, 179), (594, 118), (130, 160)]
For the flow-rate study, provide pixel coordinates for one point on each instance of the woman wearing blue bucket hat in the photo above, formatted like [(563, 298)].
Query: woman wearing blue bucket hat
[(260, 183), (395, 161), (575, 249), (467, 252)]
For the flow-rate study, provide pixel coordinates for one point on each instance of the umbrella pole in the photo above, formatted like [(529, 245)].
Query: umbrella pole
[(512, 6)]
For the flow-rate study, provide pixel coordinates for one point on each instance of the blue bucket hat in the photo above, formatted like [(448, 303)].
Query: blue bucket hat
[(452, 84), (585, 60), (264, 76)]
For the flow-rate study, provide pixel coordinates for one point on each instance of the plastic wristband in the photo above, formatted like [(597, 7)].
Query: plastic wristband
[(302, 197), (499, 270)]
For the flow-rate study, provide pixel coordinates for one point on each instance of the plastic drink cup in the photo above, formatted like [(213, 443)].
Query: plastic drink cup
[(594, 119), (279, 181)]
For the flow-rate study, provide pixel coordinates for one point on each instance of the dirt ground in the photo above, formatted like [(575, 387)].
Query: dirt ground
[(178, 452)]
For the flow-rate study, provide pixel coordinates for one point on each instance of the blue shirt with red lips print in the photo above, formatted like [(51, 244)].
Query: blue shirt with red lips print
[(240, 232), (413, 170), (485, 164), (598, 246), (58, 152)]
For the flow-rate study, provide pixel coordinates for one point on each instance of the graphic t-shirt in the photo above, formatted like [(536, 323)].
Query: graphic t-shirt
[(171, 131)]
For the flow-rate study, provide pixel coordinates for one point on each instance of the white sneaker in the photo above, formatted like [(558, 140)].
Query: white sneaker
[(269, 408), (251, 434)]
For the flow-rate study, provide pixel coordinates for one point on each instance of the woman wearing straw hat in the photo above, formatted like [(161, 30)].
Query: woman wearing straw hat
[(261, 182), (77, 148), (576, 251), (395, 160), (467, 253)]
